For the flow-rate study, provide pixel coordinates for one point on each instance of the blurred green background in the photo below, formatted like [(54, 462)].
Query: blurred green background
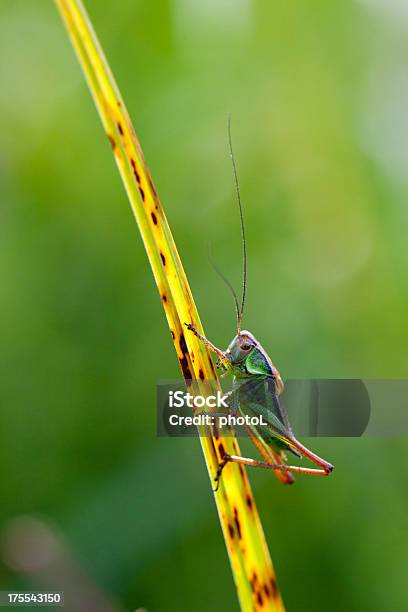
[(319, 94)]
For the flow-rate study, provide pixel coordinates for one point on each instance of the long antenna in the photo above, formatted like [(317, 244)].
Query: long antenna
[(240, 311), (224, 279)]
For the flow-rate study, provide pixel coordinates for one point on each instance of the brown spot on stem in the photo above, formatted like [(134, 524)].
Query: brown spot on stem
[(186, 370), (183, 360), (163, 258), (120, 128), (201, 374), (183, 344), (135, 172), (112, 141), (154, 218), (259, 598), (173, 335), (221, 450), (231, 531), (164, 297), (142, 194), (237, 523), (257, 589), (274, 587), (249, 502), (241, 470), (267, 591)]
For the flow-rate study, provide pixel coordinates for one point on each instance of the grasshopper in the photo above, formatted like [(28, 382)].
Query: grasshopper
[(257, 388)]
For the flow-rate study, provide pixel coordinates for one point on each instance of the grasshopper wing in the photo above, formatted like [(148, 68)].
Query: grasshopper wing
[(257, 396)]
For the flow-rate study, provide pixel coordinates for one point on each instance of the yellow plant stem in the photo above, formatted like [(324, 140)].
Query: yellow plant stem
[(251, 564)]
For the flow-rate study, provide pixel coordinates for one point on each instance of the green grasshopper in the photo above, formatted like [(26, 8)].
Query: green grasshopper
[(257, 387)]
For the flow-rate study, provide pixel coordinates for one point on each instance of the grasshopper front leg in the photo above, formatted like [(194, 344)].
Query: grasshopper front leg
[(220, 354)]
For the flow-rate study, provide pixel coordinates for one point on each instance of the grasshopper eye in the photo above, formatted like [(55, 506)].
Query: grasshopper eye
[(246, 346)]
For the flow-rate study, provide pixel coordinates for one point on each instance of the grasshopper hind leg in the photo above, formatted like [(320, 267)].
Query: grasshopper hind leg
[(244, 461), (270, 466)]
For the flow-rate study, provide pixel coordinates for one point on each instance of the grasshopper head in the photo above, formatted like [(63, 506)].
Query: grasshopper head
[(248, 358), (240, 347)]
